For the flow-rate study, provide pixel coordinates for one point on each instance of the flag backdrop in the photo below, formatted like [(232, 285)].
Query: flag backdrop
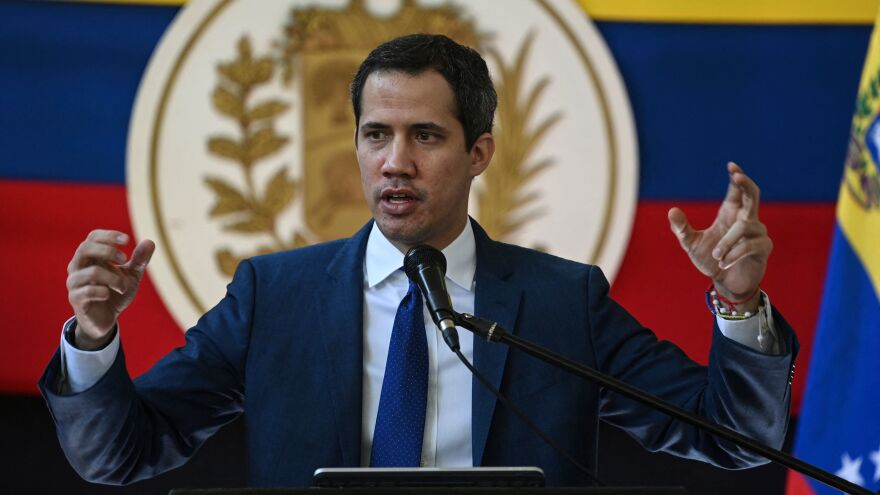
[(763, 86), (840, 419)]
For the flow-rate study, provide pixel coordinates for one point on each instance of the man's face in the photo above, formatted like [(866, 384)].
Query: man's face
[(415, 170)]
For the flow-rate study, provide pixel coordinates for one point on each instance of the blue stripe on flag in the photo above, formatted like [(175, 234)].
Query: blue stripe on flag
[(840, 415), (776, 99), (68, 77)]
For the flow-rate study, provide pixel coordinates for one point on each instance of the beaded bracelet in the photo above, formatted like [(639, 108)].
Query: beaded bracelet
[(725, 308)]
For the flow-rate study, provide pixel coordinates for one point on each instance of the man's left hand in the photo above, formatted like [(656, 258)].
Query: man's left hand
[(733, 251)]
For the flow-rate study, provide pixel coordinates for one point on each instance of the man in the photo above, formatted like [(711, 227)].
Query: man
[(305, 341)]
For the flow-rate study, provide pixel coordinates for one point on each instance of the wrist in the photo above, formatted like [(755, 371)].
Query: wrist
[(728, 305), (79, 339)]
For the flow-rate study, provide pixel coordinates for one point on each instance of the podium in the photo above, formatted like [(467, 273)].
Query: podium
[(438, 491), (522, 480)]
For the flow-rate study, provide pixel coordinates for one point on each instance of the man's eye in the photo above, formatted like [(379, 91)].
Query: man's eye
[(376, 135), (425, 136)]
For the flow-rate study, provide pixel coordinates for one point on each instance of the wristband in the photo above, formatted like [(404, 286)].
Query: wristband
[(725, 308)]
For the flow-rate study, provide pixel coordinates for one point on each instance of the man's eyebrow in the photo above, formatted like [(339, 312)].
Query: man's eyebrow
[(428, 126), (374, 125), (420, 126)]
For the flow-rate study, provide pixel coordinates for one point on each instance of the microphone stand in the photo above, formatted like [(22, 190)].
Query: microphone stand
[(493, 332)]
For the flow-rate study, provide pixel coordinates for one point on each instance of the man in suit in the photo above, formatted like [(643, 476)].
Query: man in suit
[(305, 340)]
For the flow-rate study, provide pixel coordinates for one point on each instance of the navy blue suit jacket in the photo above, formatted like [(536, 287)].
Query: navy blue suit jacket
[(285, 345)]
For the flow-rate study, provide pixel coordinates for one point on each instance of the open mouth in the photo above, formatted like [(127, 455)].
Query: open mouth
[(399, 201), (398, 195), (398, 198)]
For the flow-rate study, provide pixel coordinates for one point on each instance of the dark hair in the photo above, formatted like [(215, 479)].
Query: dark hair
[(462, 67)]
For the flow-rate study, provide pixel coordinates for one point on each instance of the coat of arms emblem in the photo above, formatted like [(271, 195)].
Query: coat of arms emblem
[(242, 136)]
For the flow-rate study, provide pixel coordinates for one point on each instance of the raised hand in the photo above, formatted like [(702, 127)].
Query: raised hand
[(733, 251), (102, 282)]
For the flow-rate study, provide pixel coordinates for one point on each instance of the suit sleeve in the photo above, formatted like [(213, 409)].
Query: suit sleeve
[(119, 431), (743, 389)]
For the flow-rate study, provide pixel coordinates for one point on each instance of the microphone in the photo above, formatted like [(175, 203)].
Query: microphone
[(426, 266)]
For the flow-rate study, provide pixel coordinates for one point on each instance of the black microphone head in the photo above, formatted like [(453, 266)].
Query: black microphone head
[(426, 266), (422, 255)]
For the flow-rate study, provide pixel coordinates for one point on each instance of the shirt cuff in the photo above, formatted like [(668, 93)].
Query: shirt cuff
[(82, 369), (757, 332)]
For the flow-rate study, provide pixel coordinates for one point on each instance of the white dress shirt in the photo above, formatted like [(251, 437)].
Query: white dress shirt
[(447, 438)]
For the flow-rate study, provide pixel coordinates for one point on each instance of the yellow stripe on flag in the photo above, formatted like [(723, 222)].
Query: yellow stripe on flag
[(698, 11), (734, 11), (862, 230), (858, 205)]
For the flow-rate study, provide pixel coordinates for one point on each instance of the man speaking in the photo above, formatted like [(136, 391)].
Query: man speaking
[(330, 351)]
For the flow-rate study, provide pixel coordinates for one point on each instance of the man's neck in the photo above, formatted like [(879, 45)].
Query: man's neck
[(383, 257)]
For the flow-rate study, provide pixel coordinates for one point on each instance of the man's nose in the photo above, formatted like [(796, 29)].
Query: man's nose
[(400, 160)]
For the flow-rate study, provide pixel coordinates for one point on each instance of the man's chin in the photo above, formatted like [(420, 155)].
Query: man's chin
[(402, 234)]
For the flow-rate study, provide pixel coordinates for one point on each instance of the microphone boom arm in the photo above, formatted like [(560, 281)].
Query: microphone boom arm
[(493, 332)]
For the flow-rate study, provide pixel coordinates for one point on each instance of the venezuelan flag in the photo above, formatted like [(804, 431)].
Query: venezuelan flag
[(840, 416)]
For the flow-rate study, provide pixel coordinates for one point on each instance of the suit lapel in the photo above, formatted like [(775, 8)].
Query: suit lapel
[(340, 301), (497, 299)]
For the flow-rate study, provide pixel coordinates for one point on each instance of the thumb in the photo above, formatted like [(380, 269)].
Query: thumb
[(141, 255), (679, 225)]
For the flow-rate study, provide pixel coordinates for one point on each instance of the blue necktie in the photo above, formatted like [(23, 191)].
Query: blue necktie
[(400, 423)]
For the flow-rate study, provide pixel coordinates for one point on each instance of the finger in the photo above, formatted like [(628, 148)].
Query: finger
[(97, 275), (733, 167), (750, 192), (141, 255), (731, 237), (87, 294), (741, 229), (91, 252), (99, 236), (759, 248), (679, 225), (108, 236), (734, 192)]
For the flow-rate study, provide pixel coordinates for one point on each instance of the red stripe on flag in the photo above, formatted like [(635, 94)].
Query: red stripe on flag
[(658, 284), (42, 225), (797, 484), (46, 222)]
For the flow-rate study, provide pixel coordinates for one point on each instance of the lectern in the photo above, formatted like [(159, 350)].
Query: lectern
[(433, 481), (437, 491)]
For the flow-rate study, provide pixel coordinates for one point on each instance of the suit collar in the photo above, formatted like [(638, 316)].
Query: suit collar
[(497, 298), (349, 260)]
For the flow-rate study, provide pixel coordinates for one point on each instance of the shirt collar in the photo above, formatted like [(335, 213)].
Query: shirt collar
[(383, 259)]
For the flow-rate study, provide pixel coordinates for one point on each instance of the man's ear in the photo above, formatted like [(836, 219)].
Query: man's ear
[(481, 153)]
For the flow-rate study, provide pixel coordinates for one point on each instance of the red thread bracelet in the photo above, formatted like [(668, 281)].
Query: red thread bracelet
[(733, 303), (715, 301)]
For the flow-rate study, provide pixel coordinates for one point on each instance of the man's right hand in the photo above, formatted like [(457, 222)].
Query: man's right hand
[(102, 282)]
